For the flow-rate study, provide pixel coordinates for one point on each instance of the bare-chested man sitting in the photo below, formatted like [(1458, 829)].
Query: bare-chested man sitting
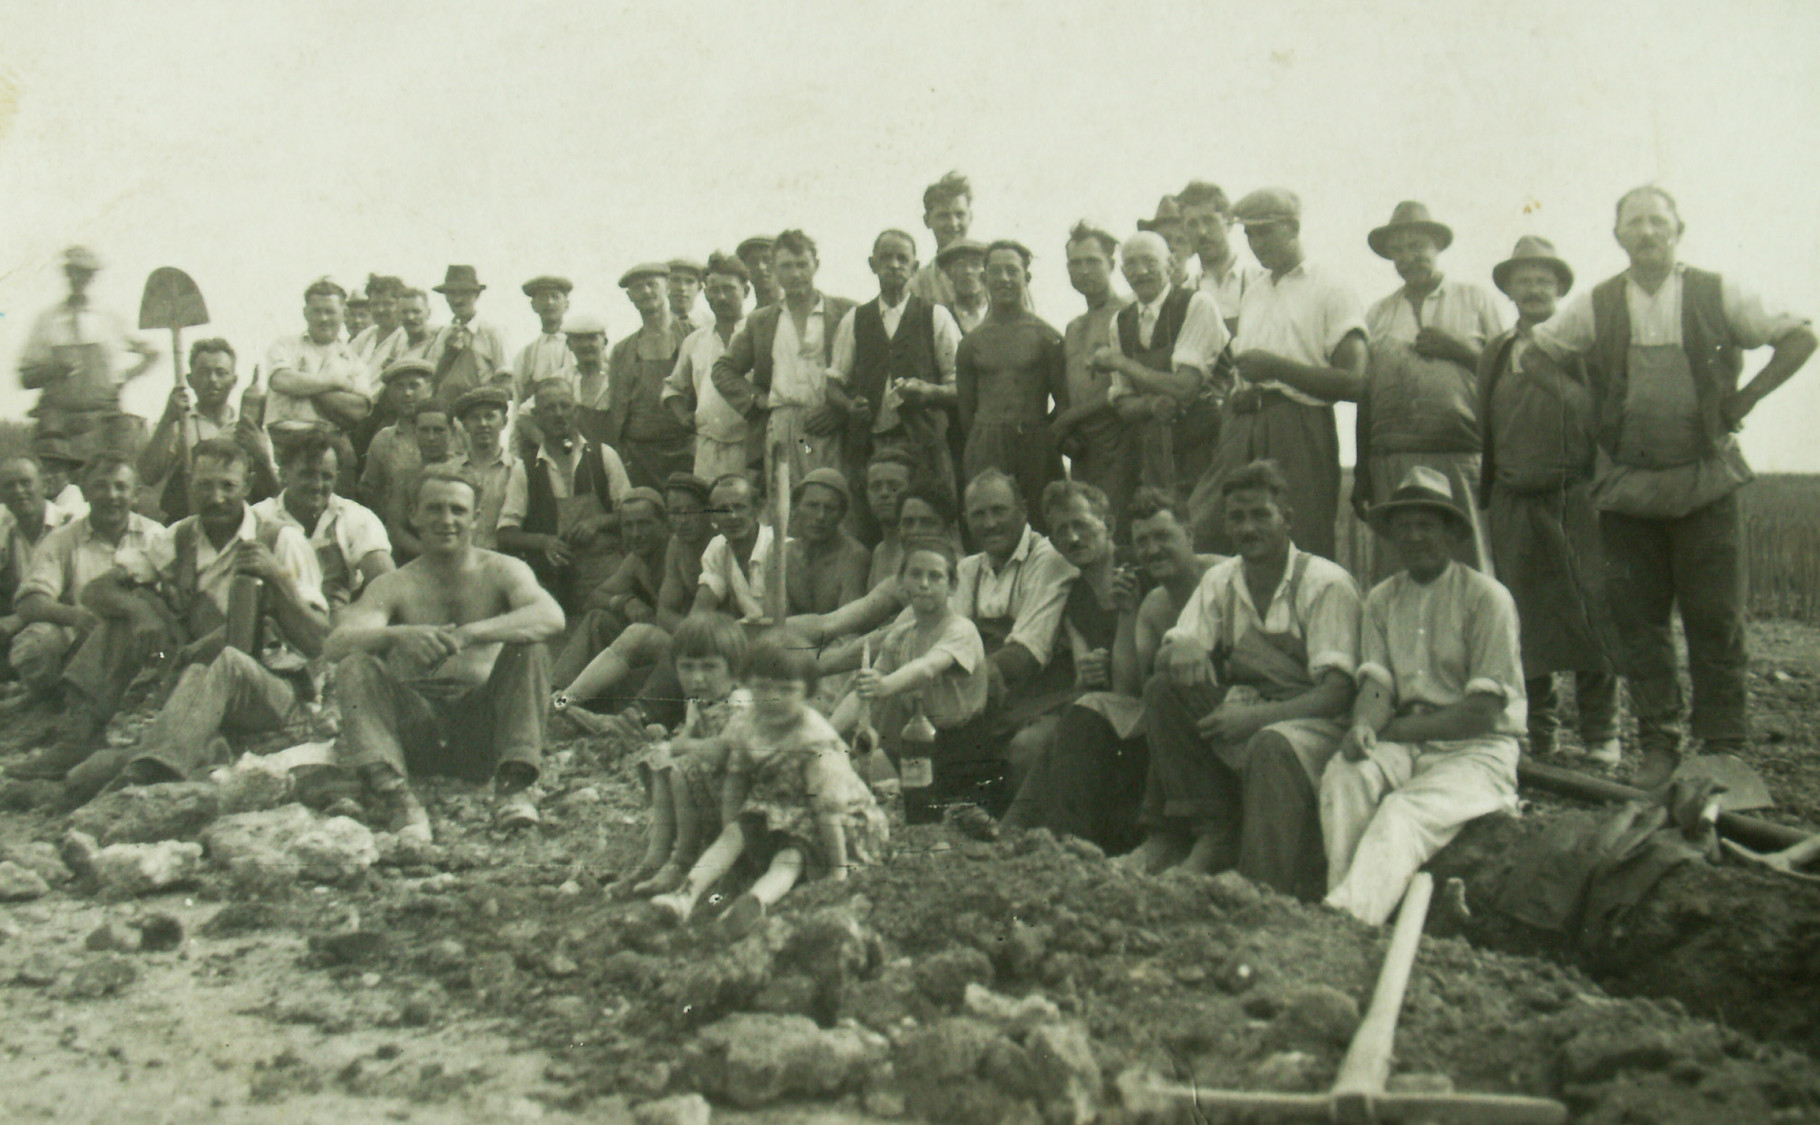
[(443, 661)]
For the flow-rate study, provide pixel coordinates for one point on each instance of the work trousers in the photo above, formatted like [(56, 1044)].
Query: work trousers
[(385, 720), (1303, 440), (38, 653), (1385, 816), (1089, 783), (1694, 564), (104, 665), (234, 691), (1595, 695)]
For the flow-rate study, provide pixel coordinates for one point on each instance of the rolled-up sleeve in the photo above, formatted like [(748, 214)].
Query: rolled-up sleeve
[(1341, 315), (1331, 630), (1753, 322), (1374, 640), (714, 569), (298, 559), (1493, 648), (1203, 336), (50, 564), (1044, 596), (1567, 333)]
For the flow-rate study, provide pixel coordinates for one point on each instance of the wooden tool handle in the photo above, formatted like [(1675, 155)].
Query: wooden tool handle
[(1367, 1063), (186, 425), (777, 598)]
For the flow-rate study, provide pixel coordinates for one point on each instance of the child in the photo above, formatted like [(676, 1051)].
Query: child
[(931, 659), (791, 798), (684, 774)]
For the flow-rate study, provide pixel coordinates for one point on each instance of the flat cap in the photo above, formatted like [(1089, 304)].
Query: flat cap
[(641, 271), (690, 483), (582, 324), (957, 247), (827, 478), (688, 266), (1268, 205), (547, 281), (757, 244), (82, 258), (358, 299), (482, 396), (55, 449), (646, 492), (407, 367)]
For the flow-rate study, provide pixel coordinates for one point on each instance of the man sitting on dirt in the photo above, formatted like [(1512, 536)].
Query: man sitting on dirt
[(1440, 707), (1245, 709), (350, 541), (442, 664), (25, 519)]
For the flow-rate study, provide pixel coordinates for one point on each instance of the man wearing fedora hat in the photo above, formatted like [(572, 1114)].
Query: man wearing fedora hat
[(467, 352), (1664, 344), (1420, 405), (1440, 706), (548, 356), (1536, 485), (647, 435), (1300, 348)]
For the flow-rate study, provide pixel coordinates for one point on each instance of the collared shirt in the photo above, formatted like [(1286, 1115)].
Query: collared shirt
[(1464, 311), (932, 284), (1302, 316), (1228, 289), (1433, 645), (947, 342), (486, 344), (547, 357), (68, 558), (493, 475), (1031, 589), (591, 387), (1202, 338), (959, 693), (351, 530), (798, 377), (1324, 614), (71, 500), (1655, 318), (1086, 334), (65, 324), (562, 481), (693, 379), (19, 547), (740, 591), (334, 361), (376, 352)]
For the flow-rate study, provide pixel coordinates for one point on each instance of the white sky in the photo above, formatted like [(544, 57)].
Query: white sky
[(258, 146)]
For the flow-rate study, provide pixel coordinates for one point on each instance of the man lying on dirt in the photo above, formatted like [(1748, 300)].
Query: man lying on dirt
[(442, 664), (1440, 707), (1247, 703), (177, 589)]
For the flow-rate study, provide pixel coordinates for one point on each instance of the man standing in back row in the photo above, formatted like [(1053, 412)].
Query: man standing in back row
[(653, 443), (1664, 344)]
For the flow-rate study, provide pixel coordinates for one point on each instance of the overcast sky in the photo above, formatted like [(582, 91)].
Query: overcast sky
[(259, 146)]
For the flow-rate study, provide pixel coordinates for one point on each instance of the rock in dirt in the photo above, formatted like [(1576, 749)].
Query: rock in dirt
[(1014, 1016), (1069, 1075), (41, 857), (160, 933), (753, 1059), (347, 947), (17, 884), (140, 869), (78, 853), (1322, 1014), (146, 814), (113, 935), (683, 1109), (1288, 1072), (103, 976), (944, 977), (289, 842), (245, 791), (39, 970), (1233, 892)]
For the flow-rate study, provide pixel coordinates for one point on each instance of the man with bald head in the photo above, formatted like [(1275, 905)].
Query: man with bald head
[(1300, 348)]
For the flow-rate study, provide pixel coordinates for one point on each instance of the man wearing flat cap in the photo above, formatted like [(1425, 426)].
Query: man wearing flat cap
[(481, 413), (826, 568), (1420, 405), (587, 338), (650, 439), (467, 351), (724, 442), (70, 356), (1439, 710), (1300, 348), (1664, 344), (963, 262), (547, 356), (755, 252), (1536, 485), (686, 277)]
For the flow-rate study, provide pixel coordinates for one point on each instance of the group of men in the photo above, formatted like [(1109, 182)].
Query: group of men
[(1248, 705)]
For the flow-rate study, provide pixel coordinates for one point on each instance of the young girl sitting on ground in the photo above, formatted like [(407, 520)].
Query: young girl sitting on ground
[(791, 799), (683, 774)]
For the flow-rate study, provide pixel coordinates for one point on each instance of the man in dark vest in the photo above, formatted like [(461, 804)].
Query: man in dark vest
[(561, 511), (1664, 345), (893, 369), (1169, 339), (651, 440)]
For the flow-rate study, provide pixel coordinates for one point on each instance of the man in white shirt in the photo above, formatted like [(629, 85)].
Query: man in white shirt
[(380, 342), (547, 356), (69, 357), (1207, 221), (723, 439), (734, 562), (25, 519), (315, 377), (350, 541)]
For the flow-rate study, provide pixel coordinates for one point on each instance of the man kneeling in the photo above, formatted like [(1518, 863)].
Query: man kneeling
[(442, 663), (1441, 705)]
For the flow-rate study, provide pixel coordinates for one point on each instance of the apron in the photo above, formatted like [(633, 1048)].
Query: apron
[(1274, 667), (1660, 469)]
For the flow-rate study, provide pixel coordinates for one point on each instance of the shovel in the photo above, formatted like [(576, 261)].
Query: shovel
[(171, 300), (1739, 786)]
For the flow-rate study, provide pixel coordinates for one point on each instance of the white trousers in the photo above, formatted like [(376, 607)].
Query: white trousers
[(1386, 816)]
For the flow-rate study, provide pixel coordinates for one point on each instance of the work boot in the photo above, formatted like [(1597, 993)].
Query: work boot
[(99, 771), (52, 763), (1660, 761), (1606, 754), (405, 815), (514, 804)]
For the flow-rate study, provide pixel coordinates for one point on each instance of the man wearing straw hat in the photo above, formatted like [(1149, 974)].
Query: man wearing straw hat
[(1440, 706), (1536, 485), (1420, 405), (1665, 345)]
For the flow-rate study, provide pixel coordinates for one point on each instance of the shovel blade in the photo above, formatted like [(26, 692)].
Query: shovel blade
[(171, 300), (1742, 787)]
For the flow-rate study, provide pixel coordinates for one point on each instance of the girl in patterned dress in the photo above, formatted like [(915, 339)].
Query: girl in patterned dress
[(791, 800)]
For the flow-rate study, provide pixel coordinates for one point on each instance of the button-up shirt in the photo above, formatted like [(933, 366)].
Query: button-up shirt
[(692, 380), (1031, 589), (71, 556), (1433, 645), (352, 531), (376, 352), (70, 323), (797, 376), (493, 474), (739, 590), (334, 361), (562, 481), (1655, 318), (947, 343), (215, 567), (1323, 615), (547, 357), (1228, 289), (1465, 312), (1302, 316), (19, 547)]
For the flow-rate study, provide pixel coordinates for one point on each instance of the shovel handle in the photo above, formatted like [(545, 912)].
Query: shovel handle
[(1366, 1066), (186, 428)]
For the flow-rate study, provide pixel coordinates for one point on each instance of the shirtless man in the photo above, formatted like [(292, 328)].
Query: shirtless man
[(449, 646)]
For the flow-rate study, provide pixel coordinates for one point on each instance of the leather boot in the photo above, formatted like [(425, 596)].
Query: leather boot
[(1660, 761)]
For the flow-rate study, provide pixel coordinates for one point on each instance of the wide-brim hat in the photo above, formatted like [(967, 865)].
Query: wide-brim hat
[(1168, 215), (958, 247), (547, 281), (642, 271), (460, 278), (1409, 215), (827, 478), (1532, 249), (1422, 488), (1268, 205), (477, 397), (401, 367)]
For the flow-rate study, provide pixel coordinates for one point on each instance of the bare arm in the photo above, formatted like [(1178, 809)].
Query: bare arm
[(1343, 381), (1472, 717), (1791, 351), (533, 614), (375, 564), (363, 626)]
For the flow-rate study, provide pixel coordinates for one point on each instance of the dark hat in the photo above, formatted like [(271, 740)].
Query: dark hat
[(406, 367), (1268, 205), (1409, 215), (547, 281), (828, 478), (460, 277), (1422, 487), (688, 266), (690, 483), (482, 396), (641, 271), (757, 244), (646, 492), (55, 449), (1168, 214), (958, 247), (1531, 248)]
